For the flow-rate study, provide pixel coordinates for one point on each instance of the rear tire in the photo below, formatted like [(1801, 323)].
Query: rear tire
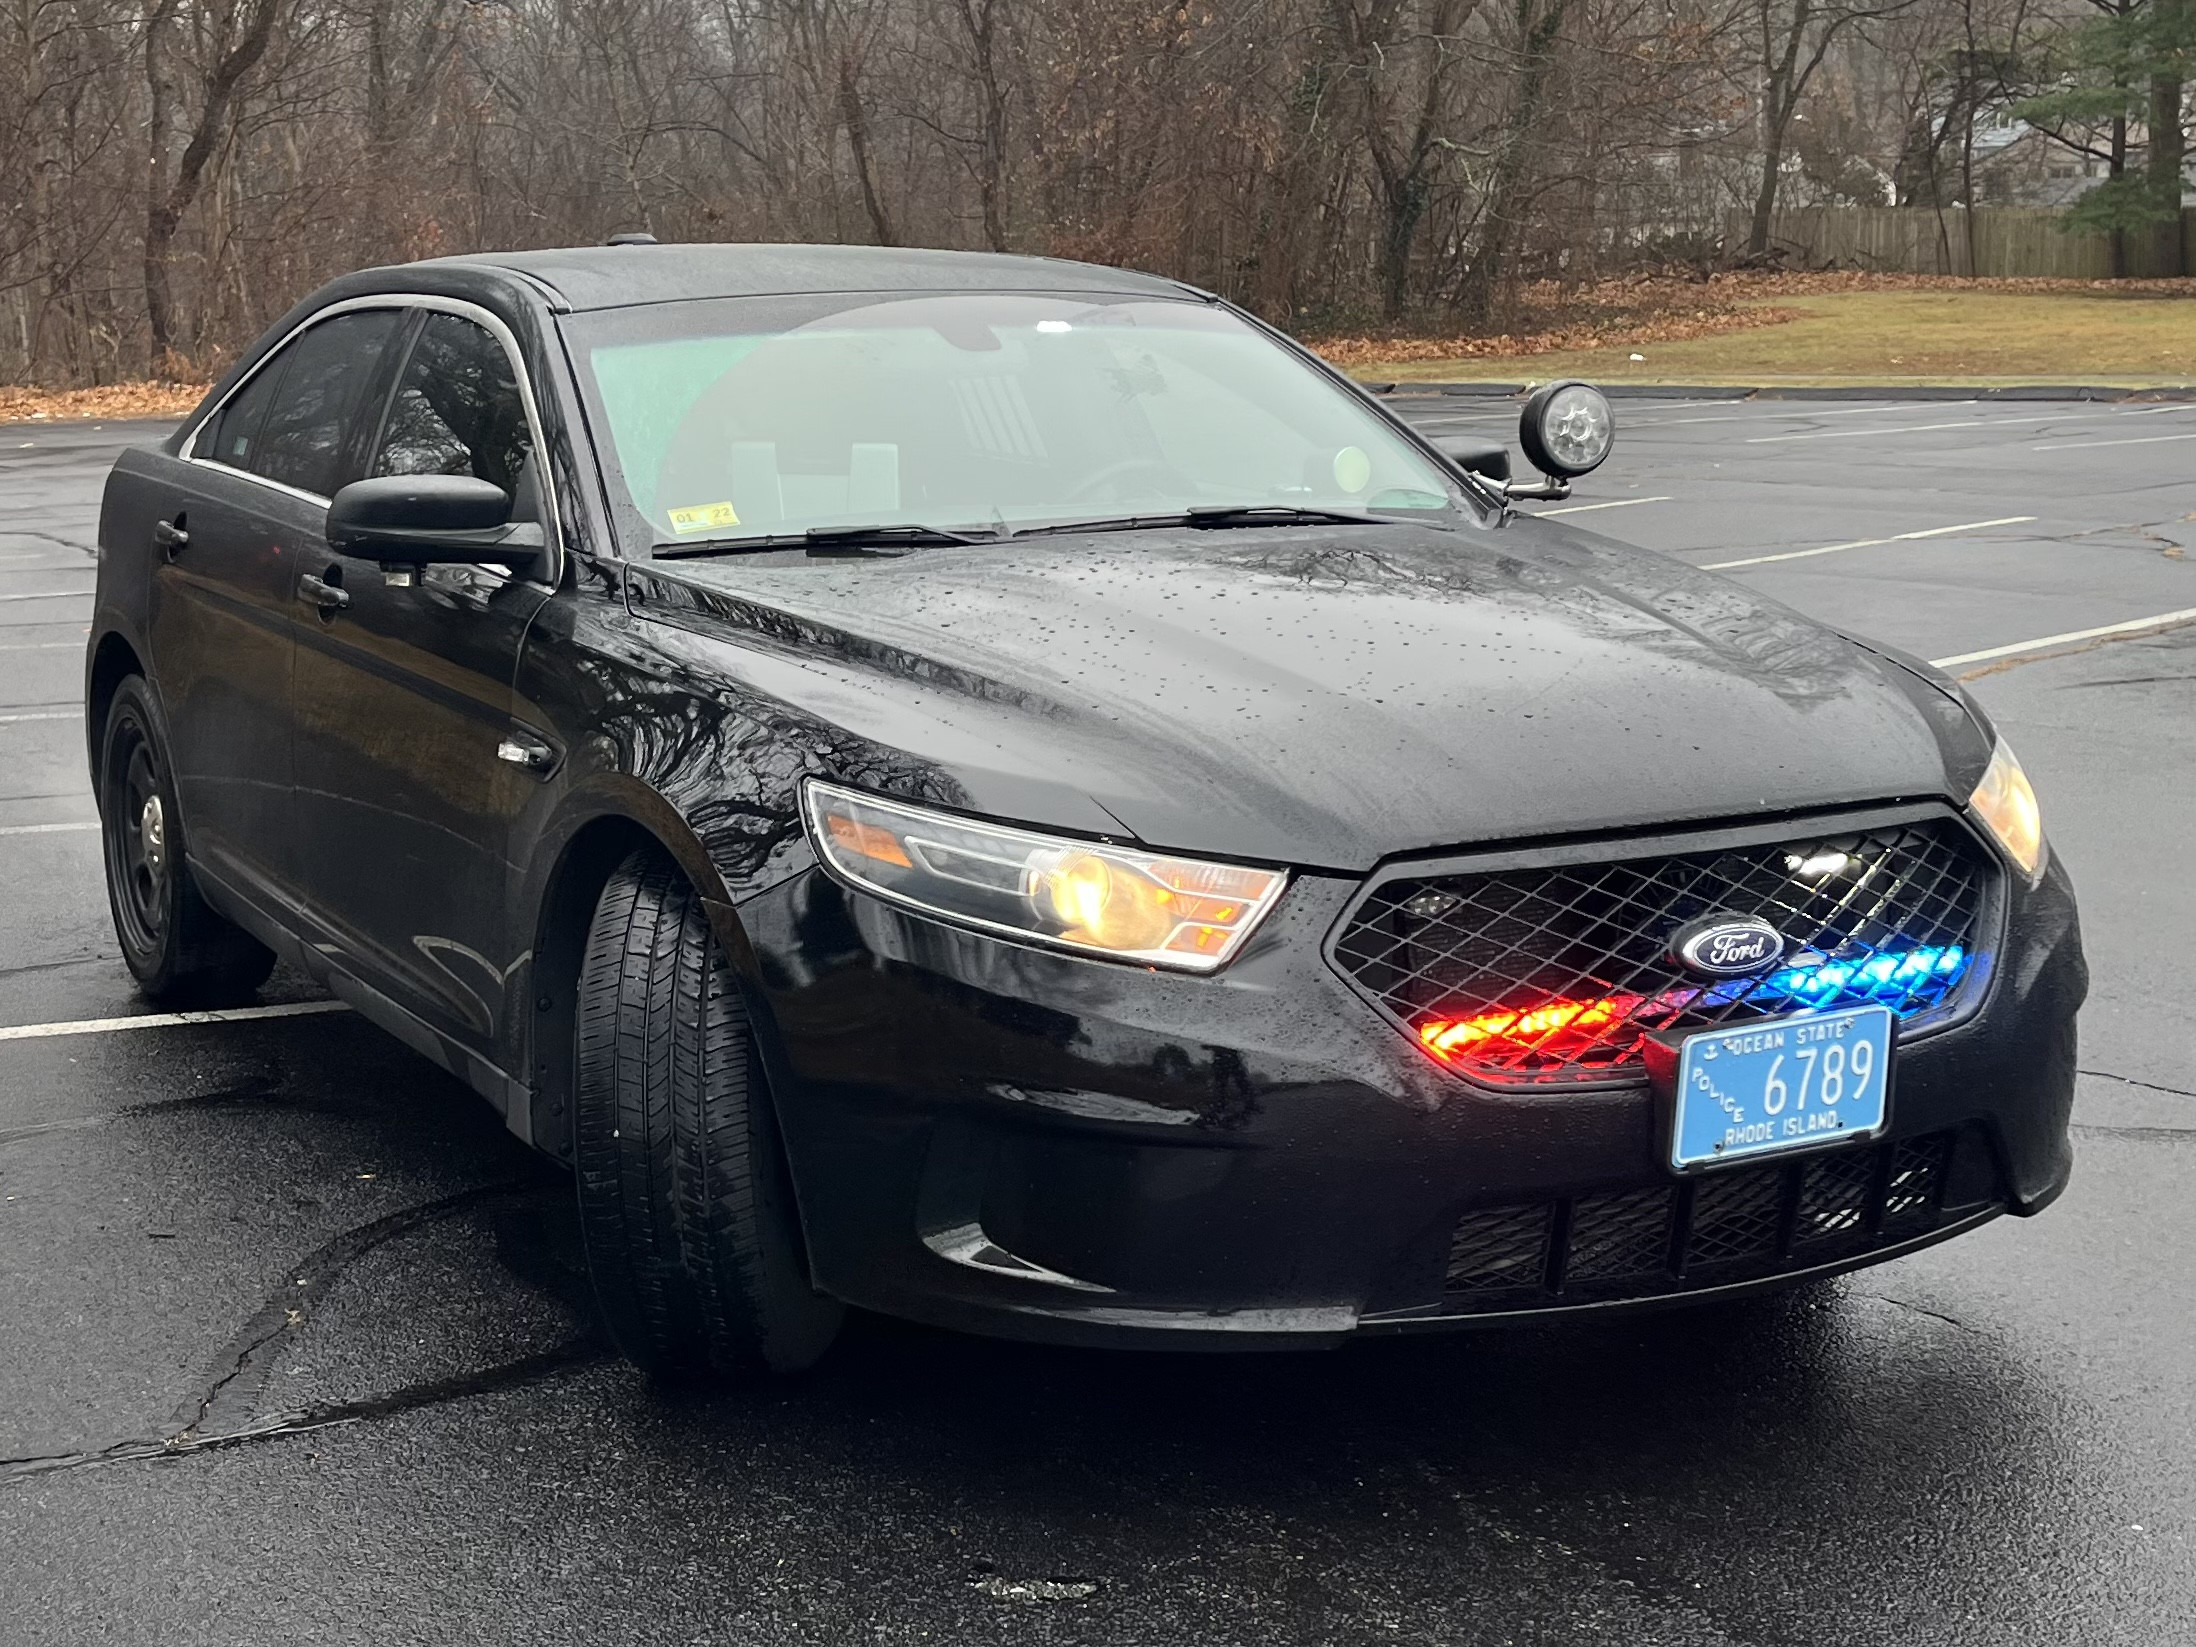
[(685, 1202), (178, 949)]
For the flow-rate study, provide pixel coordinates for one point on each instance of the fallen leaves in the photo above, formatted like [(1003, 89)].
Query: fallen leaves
[(1553, 317), (112, 400)]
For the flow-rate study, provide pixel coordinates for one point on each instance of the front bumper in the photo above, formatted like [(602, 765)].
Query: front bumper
[(1011, 1140)]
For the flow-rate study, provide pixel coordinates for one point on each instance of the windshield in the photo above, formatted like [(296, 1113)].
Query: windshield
[(736, 418)]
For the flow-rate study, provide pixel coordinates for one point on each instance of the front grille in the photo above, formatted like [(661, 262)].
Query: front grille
[(1558, 973), (1732, 1225)]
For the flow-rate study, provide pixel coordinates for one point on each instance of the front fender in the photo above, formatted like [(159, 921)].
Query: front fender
[(659, 747)]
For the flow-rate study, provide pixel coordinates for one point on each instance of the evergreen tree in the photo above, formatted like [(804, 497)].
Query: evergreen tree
[(2128, 64)]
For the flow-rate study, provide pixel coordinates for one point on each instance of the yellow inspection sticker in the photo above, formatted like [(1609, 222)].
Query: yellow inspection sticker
[(703, 517)]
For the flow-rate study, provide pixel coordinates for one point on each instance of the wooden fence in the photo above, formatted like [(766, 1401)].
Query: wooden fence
[(2005, 240)]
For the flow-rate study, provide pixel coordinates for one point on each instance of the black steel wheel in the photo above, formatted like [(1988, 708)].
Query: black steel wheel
[(181, 952), (687, 1208)]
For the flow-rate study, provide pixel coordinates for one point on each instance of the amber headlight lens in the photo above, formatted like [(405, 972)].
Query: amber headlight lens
[(1128, 905), (2006, 804)]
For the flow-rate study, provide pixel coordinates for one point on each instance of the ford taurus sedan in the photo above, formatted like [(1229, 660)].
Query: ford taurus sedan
[(1006, 793)]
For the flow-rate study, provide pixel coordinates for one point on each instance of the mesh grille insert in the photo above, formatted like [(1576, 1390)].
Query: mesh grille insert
[(1736, 1215), (1917, 1176), (1504, 1249), (1834, 1194), (1620, 1234), (1536, 975)]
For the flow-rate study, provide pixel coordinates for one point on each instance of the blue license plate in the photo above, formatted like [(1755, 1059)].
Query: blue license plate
[(1781, 1084)]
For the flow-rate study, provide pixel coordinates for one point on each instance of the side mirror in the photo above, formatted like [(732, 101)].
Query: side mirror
[(430, 520), (1489, 458)]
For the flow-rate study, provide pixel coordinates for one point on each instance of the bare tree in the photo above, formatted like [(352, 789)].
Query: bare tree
[(1536, 25), (174, 173), (220, 44), (1793, 37)]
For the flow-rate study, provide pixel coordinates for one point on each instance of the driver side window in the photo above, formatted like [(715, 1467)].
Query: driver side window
[(457, 411)]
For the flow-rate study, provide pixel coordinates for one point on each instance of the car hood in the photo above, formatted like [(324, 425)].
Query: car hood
[(1321, 696)]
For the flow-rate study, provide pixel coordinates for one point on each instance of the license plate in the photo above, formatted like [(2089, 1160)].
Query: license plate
[(1781, 1084)]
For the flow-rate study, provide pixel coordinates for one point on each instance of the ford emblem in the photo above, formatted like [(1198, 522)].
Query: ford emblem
[(1727, 946)]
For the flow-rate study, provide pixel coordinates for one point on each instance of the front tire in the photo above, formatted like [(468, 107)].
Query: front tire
[(687, 1209), (180, 951)]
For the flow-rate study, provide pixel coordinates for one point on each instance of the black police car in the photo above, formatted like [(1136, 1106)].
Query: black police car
[(1005, 792)]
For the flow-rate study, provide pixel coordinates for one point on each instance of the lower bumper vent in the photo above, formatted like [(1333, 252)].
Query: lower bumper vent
[(1728, 1226)]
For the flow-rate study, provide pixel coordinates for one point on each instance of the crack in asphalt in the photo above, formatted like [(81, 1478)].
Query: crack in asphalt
[(2056, 653), (2143, 528), (527, 1369), (1917, 1309), (244, 1364), (2141, 1135), (53, 966), (220, 1413), (2129, 1080), (91, 549), (258, 1090)]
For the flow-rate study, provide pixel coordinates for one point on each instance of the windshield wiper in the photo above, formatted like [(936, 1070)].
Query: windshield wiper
[(905, 532), (1214, 517), (1280, 514), (1202, 517)]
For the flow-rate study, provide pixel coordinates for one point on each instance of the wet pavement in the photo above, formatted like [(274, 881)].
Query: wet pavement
[(294, 1345)]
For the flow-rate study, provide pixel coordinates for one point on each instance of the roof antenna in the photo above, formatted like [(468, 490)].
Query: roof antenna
[(637, 238)]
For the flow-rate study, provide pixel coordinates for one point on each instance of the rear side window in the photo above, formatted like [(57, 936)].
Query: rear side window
[(457, 409), (232, 435), (312, 423)]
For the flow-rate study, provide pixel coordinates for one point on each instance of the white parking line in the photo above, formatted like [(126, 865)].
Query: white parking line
[(45, 828), (2164, 620), (1919, 428), (42, 646), (1866, 543), (2132, 440), (1589, 508), (1764, 412), (1765, 415), (44, 715), (53, 594), (168, 1020)]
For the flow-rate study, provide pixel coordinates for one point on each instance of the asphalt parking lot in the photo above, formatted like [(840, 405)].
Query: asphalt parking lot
[(294, 1346)]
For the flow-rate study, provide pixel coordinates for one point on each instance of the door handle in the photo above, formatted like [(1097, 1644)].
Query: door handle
[(169, 536), (524, 750), (329, 597)]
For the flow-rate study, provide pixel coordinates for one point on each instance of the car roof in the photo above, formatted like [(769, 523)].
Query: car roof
[(610, 277)]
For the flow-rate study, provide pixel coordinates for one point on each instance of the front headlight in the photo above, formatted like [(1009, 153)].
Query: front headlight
[(1155, 908), (2006, 804)]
